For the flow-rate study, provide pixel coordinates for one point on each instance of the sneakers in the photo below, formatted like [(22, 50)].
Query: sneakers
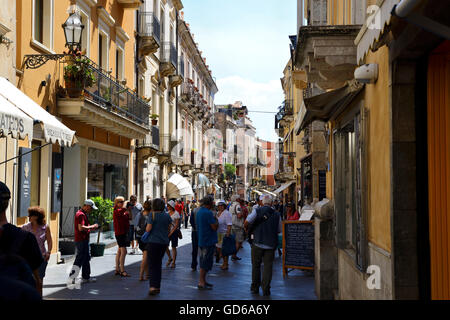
[(90, 280)]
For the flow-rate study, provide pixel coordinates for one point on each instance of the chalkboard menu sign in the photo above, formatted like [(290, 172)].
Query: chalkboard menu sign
[(24, 186), (298, 245)]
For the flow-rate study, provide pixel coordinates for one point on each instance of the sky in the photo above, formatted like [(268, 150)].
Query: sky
[(246, 45)]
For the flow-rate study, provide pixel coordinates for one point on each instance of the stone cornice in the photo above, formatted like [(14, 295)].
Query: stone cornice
[(105, 16), (122, 34)]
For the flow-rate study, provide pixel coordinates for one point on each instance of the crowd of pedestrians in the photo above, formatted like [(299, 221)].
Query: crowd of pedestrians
[(154, 228)]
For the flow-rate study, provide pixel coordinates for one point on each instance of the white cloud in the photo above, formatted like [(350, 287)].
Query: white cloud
[(257, 96)]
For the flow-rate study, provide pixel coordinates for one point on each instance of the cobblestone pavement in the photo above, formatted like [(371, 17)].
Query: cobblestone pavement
[(179, 283)]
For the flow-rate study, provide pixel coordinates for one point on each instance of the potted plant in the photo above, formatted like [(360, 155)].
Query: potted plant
[(77, 76), (103, 217), (154, 119)]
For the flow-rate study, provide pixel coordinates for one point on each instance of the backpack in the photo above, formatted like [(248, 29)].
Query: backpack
[(260, 218), (142, 223)]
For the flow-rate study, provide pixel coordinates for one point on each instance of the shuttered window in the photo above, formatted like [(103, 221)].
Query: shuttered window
[(350, 187)]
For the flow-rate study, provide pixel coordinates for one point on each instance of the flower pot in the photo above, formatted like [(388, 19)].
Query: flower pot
[(73, 91), (154, 122), (97, 249)]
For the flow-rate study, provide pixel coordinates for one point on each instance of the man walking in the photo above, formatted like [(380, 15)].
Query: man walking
[(194, 235), (187, 213), (207, 226), (21, 246), (135, 210), (266, 224), (237, 229), (82, 231)]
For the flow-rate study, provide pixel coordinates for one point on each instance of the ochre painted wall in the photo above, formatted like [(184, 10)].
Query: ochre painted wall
[(377, 100)]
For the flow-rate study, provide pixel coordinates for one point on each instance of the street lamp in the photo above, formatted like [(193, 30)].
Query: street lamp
[(73, 29)]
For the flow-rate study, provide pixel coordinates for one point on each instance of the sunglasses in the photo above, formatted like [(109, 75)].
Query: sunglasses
[(120, 201)]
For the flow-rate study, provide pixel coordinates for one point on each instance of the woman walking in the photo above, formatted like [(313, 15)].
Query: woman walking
[(41, 231), (173, 234), (121, 220), (140, 230), (158, 224), (224, 230)]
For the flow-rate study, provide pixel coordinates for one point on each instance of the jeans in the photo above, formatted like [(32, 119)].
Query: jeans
[(155, 254), (259, 256), (194, 237), (186, 219), (82, 259)]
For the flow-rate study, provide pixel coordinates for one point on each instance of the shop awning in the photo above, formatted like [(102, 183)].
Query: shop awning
[(284, 187), (327, 105), (268, 192), (203, 180), (50, 129), (13, 121), (177, 187)]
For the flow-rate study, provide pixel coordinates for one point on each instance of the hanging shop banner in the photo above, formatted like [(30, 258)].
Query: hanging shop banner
[(57, 190), (24, 186), (298, 245)]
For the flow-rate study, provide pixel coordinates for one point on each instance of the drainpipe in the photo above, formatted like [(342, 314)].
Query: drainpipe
[(404, 10), (136, 174)]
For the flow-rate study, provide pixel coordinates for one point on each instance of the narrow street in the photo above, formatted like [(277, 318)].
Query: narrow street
[(177, 284)]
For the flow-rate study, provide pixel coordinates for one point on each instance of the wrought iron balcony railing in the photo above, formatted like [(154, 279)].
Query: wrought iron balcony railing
[(169, 53), (110, 94), (149, 26), (150, 141)]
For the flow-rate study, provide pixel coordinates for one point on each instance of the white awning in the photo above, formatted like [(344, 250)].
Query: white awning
[(203, 180), (374, 28), (14, 122), (53, 130), (177, 187), (284, 187), (268, 192)]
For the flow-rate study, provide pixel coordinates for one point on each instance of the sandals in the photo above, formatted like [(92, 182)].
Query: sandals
[(117, 273), (224, 267), (173, 265), (124, 274), (169, 262)]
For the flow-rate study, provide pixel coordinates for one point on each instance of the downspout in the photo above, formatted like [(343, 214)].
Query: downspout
[(176, 67), (404, 10), (136, 174)]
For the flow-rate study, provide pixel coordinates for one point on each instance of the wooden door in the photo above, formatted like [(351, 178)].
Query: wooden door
[(439, 169)]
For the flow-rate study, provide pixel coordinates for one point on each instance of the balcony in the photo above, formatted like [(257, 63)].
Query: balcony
[(149, 32), (187, 91), (104, 103), (176, 80), (149, 146), (168, 59), (130, 4)]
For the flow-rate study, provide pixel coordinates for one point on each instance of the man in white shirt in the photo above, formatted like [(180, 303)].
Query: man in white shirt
[(238, 220)]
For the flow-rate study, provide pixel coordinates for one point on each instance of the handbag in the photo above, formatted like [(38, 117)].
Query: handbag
[(229, 246), (146, 236), (180, 235)]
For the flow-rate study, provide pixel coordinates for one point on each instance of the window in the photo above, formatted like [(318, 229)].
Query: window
[(349, 180), (120, 64), (85, 35), (103, 51), (43, 23)]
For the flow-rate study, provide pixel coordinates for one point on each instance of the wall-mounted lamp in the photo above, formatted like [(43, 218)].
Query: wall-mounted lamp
[(5, 40), (367, 73)]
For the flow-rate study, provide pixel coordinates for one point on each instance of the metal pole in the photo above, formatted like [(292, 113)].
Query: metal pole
[(37, 148)]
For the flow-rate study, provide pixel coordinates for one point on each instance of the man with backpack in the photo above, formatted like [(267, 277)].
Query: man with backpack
[(19, 250), (266, 225)]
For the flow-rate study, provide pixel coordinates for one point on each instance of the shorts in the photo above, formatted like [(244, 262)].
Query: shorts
[(131, 234), (142, 245), (174, 239), (238, 233), (220, 237), (123, 241), (207, 257)]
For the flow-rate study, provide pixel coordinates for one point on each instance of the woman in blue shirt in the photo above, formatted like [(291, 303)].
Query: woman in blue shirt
[(158, 225)]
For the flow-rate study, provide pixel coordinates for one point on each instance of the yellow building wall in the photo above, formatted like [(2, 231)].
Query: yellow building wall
[(379, 180)]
